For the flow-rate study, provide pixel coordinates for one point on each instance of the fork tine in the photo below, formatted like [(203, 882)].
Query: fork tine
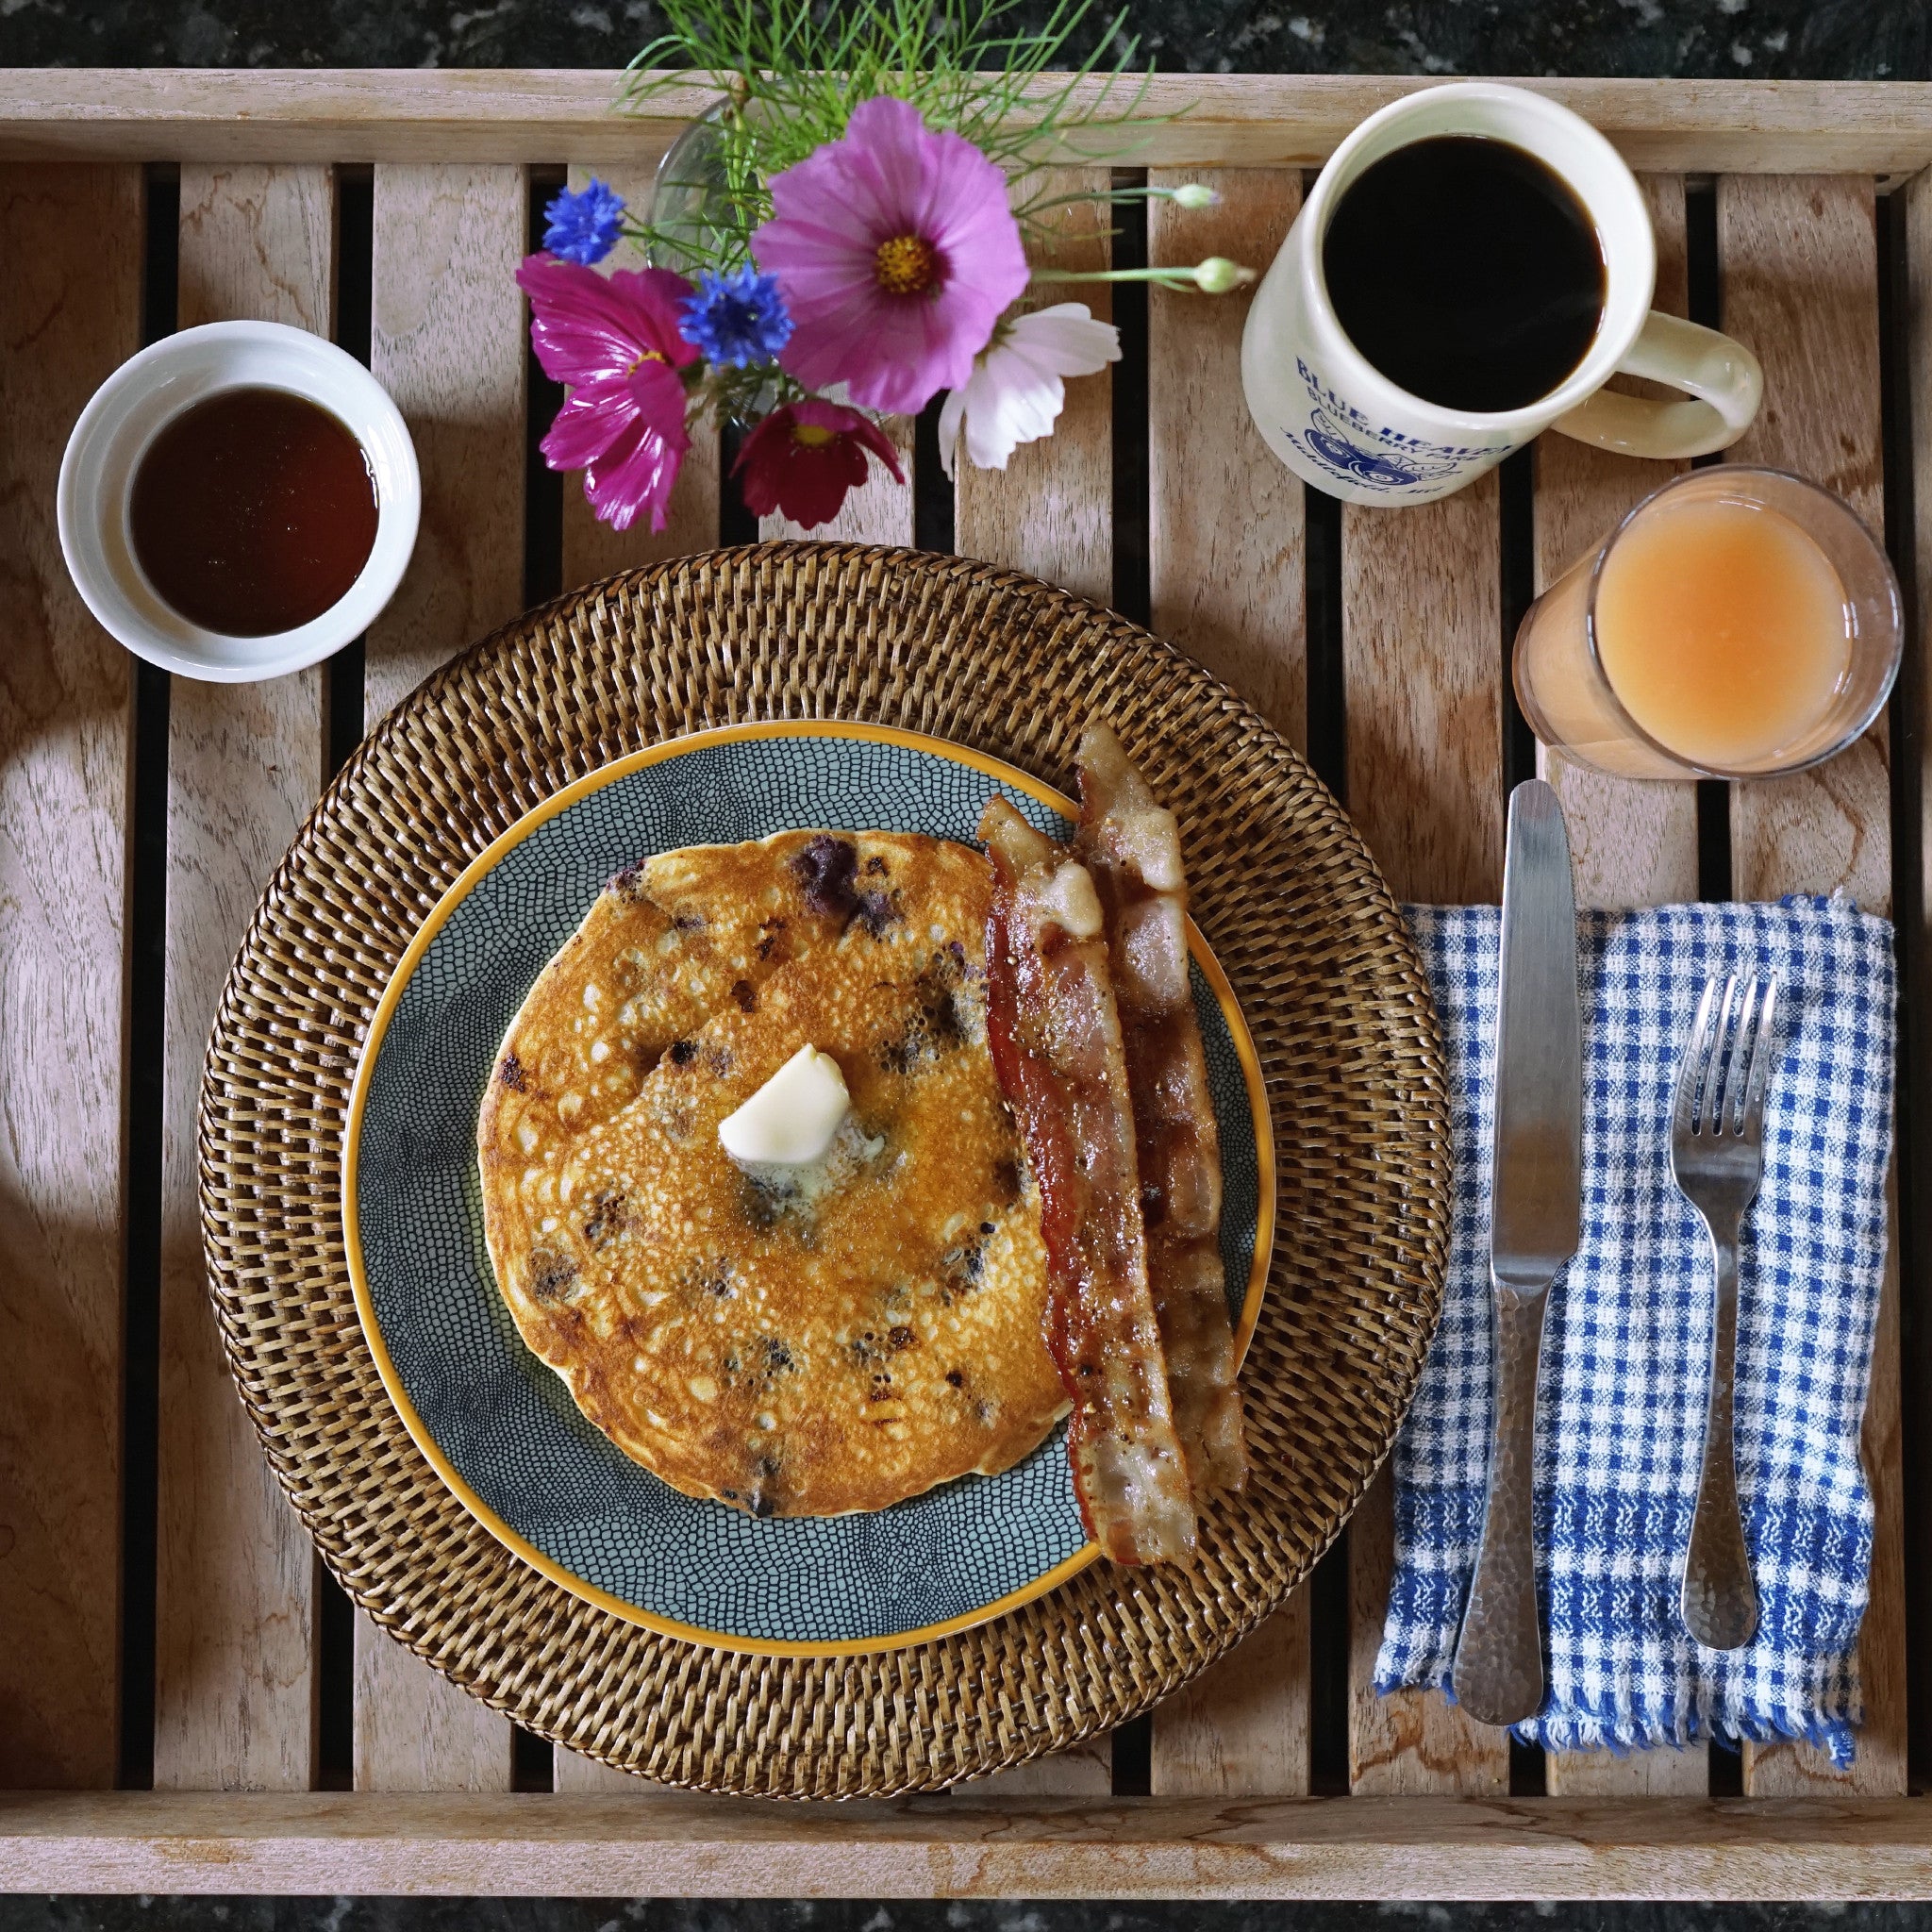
[(1730, 1111), (1761, 1066), (1689, 1074), (1710, 1088)]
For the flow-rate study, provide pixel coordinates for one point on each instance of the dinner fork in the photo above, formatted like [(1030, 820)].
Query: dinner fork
[(1717, 1157)]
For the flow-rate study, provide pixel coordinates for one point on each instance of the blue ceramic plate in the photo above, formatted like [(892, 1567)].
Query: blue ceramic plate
[(499, 1426)]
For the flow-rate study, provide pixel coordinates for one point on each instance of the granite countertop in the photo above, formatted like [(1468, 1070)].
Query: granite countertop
[(1867, 40), (862, 1915)]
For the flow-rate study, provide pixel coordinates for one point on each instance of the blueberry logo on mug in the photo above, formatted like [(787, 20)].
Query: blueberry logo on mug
[(1328, 446), (1396, 469)]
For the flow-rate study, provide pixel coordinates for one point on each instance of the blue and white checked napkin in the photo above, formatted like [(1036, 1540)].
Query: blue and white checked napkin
[(1622, 1395)]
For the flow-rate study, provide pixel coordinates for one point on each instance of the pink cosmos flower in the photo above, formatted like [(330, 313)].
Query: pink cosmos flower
[(614, 340), (802, 458), (896, 252)]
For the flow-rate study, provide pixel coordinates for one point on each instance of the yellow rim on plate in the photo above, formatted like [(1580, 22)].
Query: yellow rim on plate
[(484, 863)]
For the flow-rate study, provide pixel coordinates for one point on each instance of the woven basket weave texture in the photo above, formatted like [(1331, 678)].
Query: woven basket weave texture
[(1285, 893)]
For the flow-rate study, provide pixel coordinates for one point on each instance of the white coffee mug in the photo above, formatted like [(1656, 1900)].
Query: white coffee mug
[(1337, 422)]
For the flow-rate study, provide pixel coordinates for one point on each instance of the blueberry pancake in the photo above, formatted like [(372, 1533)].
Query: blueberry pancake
[(811, 1339)]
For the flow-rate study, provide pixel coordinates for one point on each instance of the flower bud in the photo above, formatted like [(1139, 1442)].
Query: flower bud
[(1194, 194), (1217, 276)]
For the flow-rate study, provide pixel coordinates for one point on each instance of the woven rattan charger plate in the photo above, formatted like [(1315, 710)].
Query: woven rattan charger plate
[(1285, 894)]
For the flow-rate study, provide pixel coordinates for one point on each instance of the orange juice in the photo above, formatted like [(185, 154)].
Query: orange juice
[(1723, 628)]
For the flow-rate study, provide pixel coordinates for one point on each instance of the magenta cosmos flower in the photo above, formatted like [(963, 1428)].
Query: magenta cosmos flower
[(802, 460), (896, 252), (613, 340)]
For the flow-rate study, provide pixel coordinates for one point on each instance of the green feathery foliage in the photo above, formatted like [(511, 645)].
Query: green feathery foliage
[(791, 74)]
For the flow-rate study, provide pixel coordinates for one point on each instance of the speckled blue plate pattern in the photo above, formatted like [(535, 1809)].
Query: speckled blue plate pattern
[(499, 1426)]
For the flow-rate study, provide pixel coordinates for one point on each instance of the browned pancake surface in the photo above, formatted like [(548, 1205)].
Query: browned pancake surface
[(795, 1344)]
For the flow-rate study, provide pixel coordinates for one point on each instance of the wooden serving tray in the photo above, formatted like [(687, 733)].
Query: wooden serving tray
[(163, 1618)]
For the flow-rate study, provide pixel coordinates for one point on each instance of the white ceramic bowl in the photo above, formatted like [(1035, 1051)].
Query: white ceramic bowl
[(122, 418)]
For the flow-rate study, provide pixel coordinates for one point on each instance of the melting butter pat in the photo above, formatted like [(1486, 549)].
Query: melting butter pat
[(791, 1121)]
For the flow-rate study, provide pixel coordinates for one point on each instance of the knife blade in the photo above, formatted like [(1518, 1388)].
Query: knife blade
[(1535, 1222)]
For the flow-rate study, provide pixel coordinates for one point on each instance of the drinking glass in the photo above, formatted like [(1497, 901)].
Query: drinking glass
[(1568, 697)]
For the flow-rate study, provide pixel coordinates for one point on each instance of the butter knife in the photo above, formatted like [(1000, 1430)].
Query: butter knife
[(1535, 1224)]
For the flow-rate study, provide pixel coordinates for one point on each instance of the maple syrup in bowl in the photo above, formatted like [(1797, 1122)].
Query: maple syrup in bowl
[(253, 512), (238, 501)]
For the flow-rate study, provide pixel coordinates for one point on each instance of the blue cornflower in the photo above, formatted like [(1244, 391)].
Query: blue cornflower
[(738, 318), (584, 223)]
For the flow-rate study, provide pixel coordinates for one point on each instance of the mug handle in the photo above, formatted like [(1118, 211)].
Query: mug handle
[(1722, 377)]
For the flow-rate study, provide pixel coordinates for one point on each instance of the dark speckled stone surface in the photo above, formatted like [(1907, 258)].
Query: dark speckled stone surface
[(713, 1915), (1767, 39), (666, 1915), (1763, 38)]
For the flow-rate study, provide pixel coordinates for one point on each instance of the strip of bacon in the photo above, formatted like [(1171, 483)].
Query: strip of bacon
[(1131, 847), (1055, 1042)]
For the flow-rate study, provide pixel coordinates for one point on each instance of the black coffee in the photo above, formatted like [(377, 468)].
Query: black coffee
[(1466, 272)]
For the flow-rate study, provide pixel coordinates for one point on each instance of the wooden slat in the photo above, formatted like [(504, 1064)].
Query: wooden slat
[(573, 1771), (414, 1730), (234, 1667), (1224, 555), (1085, 1772), (1226, 580), (70, 310), (1798, 257), (1423, 656), (1050, 511), (1241, 1727), (1633, 844), (1423, 660), (593, 550), (1662, 1772), (1640, 852), (1196, 120), (1410, 1742), (446, 341), (968, 1847)]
